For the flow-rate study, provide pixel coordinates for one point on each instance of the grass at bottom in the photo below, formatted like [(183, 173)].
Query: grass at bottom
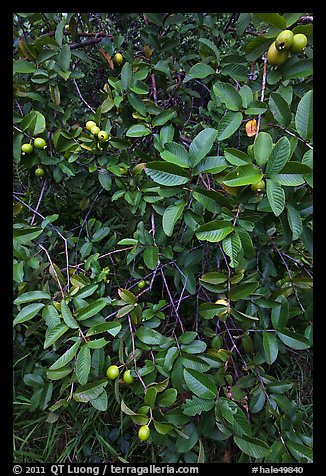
[(80, 435)]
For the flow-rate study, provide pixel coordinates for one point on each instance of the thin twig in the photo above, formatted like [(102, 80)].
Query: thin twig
[(39, 202), (56, 230), (291, 134), (81, 97), (135, 361), (154, 88), (263, 85), (172, 302)]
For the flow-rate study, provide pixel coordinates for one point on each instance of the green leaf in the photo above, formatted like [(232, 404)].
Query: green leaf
[(246, 95), (105, 179), (67, 316), (54, 334), (31, 296), (252, 446), (279, 156), (196, 406), (243, 175), (292, 18), (228, 95), (208, 310), (163, 66), (275, 196), (175, 153), (242, 23), (167, 398), (211, 164), (207, 202), (50, 316), (58, 374), (295, 221), (201, 145), (163, 117), (211, 46), (163, 428), (213, 277), (138, 130), (236, 71), (90, 391), (257, 400), (232, 246), (22, 66), (255, 108), (242, 291), (27, 313), (228, 125), (125, 409), (214, 231), (112, 328), (293, 340), (127, 296), (34, 122), (257, 47), (87, 290), (150, 256), (107, 105), (227, 409), (150, 396), (156, 18), (83, 365), (166, 174), (199, 71), (170, 217), (59, 31), (187, 439), (137, 104), (279, 386), (64, 58), (270, 346), (100, 402), (301, 453), (125, 310), (304, 116), (274, 19), (280, 109), (246, 242), (236, 157), (100, 234), (91, 309), (191, 361), (280, 313), (27, 234), (210, 198), (126, 75), (149, 336), (200, 384), (292, 174), (297, 68), (66, 357)]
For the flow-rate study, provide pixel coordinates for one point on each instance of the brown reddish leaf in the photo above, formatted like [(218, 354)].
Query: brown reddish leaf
[(108, 58), (251, 127), (148, 51)]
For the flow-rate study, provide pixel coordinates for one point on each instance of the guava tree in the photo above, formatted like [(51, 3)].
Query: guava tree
[(163, 226)]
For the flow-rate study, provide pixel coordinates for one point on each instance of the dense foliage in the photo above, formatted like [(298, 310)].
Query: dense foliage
[(175, 246)]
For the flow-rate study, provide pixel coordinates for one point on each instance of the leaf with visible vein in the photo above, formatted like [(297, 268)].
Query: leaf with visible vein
[(275, 196), (83, 365)]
